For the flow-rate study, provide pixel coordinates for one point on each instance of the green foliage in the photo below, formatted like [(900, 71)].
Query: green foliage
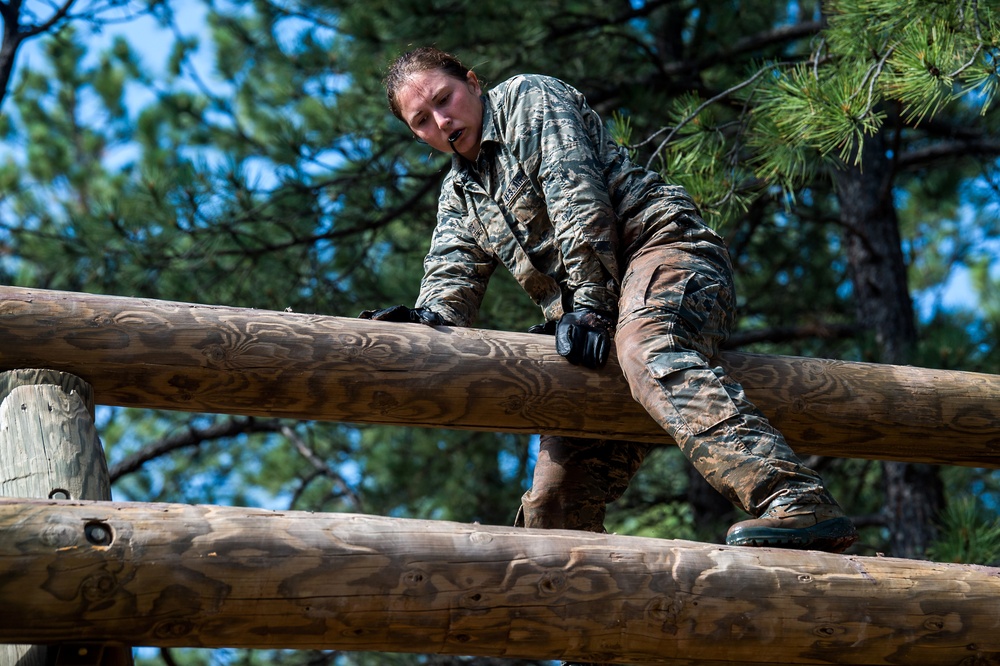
[(654, 505), (930, 53), (971, 534), (829, 114), (794, 113)]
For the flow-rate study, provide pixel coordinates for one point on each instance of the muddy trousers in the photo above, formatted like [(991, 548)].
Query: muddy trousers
[(675, 311)]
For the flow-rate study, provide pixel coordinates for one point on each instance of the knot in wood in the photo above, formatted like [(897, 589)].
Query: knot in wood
[(59, 536), (480, 538), (934, 624), (513, 404), (828, 630), (215, 353), (184, 383), (172, 629), (473, 600), (414, 578), (551, 582), (664, 609), (383, 403), (98, 587), (350, 346)]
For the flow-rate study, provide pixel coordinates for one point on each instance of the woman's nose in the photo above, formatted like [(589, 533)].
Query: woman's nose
[(443, 120)]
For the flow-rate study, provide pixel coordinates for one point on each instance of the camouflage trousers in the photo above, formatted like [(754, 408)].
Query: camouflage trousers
[(575, 479), (675, 310)]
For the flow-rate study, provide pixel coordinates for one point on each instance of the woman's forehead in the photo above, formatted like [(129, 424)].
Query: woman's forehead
[(420, 87), (427, 82)]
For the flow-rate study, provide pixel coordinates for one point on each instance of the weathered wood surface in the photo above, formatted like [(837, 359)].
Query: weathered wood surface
[(181, 575), (166, 355), (49, 448)]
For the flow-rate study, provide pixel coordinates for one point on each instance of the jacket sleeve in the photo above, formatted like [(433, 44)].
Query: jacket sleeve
[(456, 269), (563, 141)]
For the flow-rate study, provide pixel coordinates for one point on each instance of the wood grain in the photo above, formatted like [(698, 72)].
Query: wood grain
[(49, 448), (180, 575), (202, 358)]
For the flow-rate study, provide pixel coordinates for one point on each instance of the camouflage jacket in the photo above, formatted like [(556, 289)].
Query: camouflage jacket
[(553, 199)]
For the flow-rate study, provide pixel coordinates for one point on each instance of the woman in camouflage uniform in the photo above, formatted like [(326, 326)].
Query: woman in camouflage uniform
[(612, 255)]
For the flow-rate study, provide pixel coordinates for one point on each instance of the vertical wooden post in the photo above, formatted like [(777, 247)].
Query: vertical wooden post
[(49, 448)]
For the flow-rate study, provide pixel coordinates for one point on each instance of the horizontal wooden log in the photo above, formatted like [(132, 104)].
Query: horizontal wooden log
[(180, 356), (181, 575)]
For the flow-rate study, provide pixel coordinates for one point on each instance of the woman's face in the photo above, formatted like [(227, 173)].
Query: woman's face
[(444, 111)]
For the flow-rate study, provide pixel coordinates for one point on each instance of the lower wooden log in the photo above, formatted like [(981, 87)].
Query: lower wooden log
[(179, 575)]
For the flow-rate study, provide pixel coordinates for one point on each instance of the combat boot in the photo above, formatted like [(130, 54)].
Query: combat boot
[(805, 526)]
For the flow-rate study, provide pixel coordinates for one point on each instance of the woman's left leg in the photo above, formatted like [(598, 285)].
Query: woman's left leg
[(575, 479)]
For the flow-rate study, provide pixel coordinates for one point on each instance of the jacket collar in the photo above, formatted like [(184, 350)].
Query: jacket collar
[(490, 134)]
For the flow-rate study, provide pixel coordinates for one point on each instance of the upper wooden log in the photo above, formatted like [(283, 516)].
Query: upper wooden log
[(202, 358), (180, 575)]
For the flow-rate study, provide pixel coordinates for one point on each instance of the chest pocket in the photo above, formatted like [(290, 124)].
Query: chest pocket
[(525, 209), (514, 228)]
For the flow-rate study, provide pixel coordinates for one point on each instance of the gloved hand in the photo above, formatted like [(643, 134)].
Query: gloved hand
[(584, 338), (548, 328), (405, 315)]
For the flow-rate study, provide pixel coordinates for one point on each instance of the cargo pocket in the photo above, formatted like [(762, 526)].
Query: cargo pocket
[(698, 398)]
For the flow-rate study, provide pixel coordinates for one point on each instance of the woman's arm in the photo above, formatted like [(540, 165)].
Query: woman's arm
[(456, 269)]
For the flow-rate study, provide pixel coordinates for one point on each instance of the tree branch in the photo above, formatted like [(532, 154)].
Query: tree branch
[(57, 16), (985, 146), (750, 43), (581, 23), (791, 333), (191, 437), (322, 469), (10, 12)]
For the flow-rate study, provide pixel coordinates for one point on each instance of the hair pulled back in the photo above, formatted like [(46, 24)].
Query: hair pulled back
[(423, 59)]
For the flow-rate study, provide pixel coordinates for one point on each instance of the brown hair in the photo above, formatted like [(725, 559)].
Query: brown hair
[(423, 59)]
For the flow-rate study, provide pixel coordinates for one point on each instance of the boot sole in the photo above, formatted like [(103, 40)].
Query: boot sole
[(834, 536)]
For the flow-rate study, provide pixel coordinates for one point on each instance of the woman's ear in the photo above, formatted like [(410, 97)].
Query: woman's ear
[(473, 82)]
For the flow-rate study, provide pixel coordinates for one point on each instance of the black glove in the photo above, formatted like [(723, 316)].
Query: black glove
[(405, 315), (548, 328), (584, 338)]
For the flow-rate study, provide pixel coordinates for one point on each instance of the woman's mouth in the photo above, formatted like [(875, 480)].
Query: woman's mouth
[(454, 136)]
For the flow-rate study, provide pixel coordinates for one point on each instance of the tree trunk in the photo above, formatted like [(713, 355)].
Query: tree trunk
[(181, 575), (913, 497)]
